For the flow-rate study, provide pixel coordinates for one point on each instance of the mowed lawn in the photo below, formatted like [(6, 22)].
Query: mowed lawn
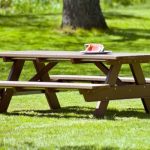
[(29, 124)]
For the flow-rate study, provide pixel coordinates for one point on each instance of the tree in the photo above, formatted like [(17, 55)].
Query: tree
[(5, 3), (83, 13)]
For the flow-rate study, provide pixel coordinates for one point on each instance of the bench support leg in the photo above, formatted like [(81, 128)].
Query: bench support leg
[(49, 93), (112, 78), (43, 71), (140, 79), (7, 94)]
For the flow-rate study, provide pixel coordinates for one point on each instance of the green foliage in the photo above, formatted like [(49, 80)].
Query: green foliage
[(46, 6), (29, 6), (5, 3), (113, 3)]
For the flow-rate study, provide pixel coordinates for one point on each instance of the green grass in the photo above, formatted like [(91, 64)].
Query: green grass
[(29, 124), (32, 125)]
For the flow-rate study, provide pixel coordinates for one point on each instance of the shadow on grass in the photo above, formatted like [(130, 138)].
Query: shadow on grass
[(19, 20), (88, 147), (129, 34), (42, 21), (79, 112), (29, 15), (92, 147), (118, 15), (70, 40)]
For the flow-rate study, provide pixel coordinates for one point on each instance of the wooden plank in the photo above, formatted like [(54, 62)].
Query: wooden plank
[(77, 78), (129, 80), (106, 70), (44, 85), (111, 79), (61, 55), (117, 93), (93, 92), (140, 80), (8, 93), (52, 54), (49, 93), (43, 71)]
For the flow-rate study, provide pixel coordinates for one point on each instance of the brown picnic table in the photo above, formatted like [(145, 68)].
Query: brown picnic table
[(93, 88)]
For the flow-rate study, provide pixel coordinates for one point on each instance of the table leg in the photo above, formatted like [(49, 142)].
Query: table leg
[(43, 71), (49, 93), (140, 79), (105, 70), (7, 94), (112, 77)]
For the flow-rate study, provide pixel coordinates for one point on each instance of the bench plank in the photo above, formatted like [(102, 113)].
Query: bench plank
[(117, 92), (90, 78), (43, 85)]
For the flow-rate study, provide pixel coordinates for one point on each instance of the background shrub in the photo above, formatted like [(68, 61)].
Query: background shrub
[(122, 2)]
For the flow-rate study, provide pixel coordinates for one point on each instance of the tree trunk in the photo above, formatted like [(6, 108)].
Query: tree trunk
[(83, 13)]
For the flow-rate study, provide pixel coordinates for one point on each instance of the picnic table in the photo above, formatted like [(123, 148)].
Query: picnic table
[(101, 89)]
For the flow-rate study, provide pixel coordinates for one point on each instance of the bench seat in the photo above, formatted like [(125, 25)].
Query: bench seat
[(90, 78), (44, 85), (90, 91)]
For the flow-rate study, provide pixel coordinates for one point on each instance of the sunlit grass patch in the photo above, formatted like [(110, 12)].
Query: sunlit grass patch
[(30, 124)]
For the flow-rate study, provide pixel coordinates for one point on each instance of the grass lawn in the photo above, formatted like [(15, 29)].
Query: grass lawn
[(29, 124)]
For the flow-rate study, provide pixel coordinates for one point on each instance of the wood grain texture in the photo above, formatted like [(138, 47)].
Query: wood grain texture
[(91, 78), (118, 93), (111, 79), (140, 80), (44, 85), (7, 94), (70, 55), (49, 93)]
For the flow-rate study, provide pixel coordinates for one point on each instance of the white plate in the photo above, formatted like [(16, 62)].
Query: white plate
[(89, 52)]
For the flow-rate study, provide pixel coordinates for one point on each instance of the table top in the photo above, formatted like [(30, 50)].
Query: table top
[(63, 55)]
